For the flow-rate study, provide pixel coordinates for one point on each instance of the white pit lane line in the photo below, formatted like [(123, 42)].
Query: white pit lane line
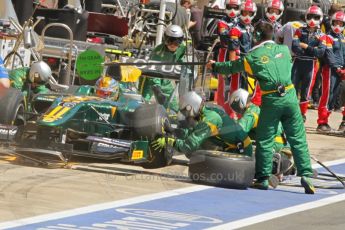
[(231, 225), (100, 207), (286, 211), (275, 214)]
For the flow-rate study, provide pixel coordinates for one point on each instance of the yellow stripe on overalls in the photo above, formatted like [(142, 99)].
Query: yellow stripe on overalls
[(214, 128), (256, 117), (247, 67), (246, 143), (279, 139), (263, 92)]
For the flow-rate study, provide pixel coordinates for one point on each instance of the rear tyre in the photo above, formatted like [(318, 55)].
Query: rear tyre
[(222, 169), (12, 111)]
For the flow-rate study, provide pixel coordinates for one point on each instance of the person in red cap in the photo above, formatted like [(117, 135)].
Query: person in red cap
[(223, 28), (309, 44), (332, 71), (240, 42), (273, 12)]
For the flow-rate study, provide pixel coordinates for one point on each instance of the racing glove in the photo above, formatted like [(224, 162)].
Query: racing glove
[(162, 142)]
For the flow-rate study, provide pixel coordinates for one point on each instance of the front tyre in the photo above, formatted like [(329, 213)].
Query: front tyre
[(158, 159)]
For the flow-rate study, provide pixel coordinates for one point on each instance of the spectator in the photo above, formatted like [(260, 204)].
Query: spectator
[(195, 21)]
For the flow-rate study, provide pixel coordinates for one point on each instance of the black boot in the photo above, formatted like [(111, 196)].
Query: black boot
[(304, 118), (342, 125), (323, 128)]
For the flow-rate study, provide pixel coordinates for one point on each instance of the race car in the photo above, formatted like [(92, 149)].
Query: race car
[(77, 122)]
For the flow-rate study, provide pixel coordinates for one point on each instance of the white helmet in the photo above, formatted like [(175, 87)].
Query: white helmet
[(233, 8), (190, 104), (40, 72), (338, 16), (174, 33), (314, 16), (238, 100), (250, 6), (274, 4)]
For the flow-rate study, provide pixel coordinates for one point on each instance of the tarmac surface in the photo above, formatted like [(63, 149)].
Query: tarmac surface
[(27, 192)]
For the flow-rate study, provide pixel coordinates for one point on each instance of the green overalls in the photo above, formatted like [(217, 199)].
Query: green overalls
[(217, 128), (208, 126), (249, 122), (271, 65), (161, 53), (232, 138)]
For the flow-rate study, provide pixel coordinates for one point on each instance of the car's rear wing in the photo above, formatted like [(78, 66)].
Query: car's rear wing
[(154, 69)]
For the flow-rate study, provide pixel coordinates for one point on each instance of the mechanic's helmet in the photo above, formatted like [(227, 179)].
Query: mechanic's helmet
[(233, 8), (40, 72), (274, 10), (338, 22), (248, 11), (173, 34), (314, 16), (107, 87), (238, 100), (190, 104)]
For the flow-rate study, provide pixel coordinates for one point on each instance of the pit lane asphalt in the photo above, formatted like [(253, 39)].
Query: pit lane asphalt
[(30, 191)]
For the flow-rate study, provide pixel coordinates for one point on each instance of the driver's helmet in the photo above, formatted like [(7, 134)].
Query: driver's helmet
[(250, 7), (173, 34), (107, 87), (314, 16), (40, 72), (238, 100), (338, 22), (190, 104), (233, 8), (274, 5)]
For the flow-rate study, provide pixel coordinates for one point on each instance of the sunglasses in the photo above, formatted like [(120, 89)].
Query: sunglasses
[(247, 13), (231, 7), (313, 16), (176, 41), (337, 23)]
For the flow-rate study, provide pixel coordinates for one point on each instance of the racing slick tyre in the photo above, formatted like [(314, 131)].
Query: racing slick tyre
[(149, 121), (221, 169), (12, 108)]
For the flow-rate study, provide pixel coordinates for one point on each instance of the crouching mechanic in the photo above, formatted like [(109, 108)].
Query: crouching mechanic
[(210, 124), (240, 102), (4, 79), (270, 64), (171, 50), (249, 112)]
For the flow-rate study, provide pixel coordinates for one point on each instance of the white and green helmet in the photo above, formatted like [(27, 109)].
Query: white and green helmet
[(190, 104), (238, 100), (40, 72)]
